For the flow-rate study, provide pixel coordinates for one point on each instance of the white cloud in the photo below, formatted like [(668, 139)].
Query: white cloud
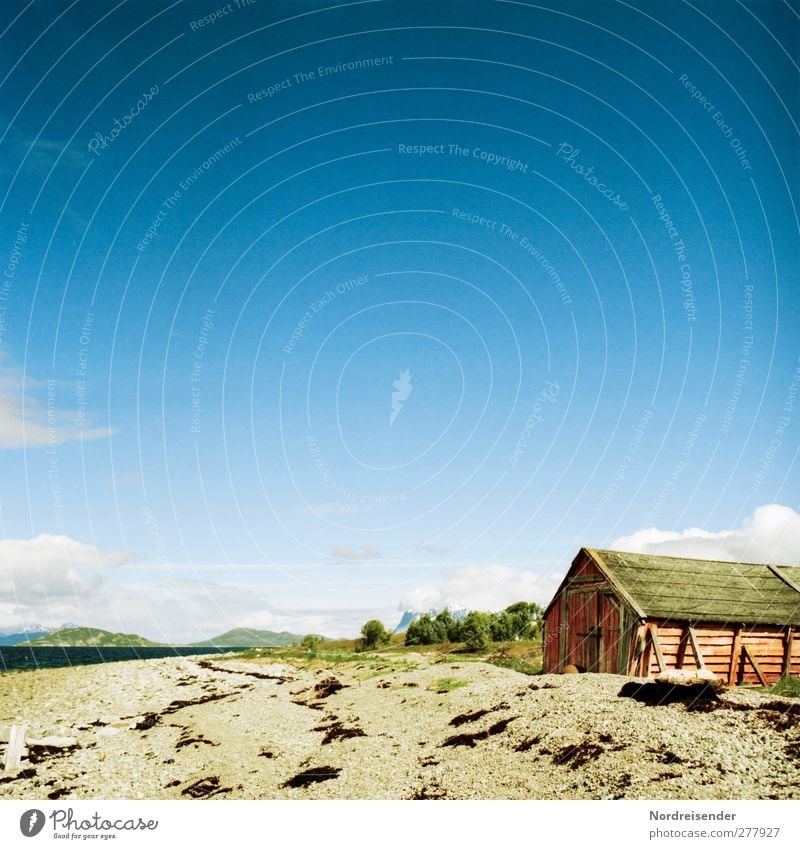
[(47, 567), (180, 611), (347, 552), (424, 597), (770, 535), (481, 588), (27, 422)]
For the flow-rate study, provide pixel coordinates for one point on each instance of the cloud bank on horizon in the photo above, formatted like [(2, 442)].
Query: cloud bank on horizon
[(53, 579), (770, 535), (491, 587)]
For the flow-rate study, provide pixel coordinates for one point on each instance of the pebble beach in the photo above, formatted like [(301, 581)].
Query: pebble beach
[(200, 728)]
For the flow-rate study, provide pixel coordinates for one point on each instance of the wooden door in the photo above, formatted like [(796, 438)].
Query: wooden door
[(609, 615), (593, 629), (583, 649)]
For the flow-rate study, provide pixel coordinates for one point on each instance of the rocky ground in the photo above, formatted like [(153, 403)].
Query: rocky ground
[(199, 728)]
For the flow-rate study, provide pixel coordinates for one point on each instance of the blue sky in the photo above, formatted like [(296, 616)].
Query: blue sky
[(228, 230)]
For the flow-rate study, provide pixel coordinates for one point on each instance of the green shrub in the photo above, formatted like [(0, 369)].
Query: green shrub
[(426, 631), (373, 634), (474, 631)]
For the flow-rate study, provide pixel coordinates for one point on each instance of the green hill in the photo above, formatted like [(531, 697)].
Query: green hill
[(89, 637), (251, 638)]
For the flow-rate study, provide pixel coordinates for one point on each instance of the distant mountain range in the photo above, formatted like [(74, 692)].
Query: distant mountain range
[(10, 637), (20, 637), (75, 636), (250, 638), (89, 637), (410, 616)]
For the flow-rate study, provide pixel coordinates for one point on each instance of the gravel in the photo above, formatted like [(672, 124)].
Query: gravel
[(187, 728)]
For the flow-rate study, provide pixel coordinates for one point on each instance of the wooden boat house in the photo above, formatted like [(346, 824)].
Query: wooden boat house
[(641, 615)]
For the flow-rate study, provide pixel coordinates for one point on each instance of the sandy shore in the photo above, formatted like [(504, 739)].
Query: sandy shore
[(217, 728)]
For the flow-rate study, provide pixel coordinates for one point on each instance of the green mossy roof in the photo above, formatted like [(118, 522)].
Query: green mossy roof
[(710, 590)]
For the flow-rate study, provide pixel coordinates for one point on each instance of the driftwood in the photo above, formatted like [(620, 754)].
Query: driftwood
[(18, 743), (14, 749), (689, 678), (53, 742)]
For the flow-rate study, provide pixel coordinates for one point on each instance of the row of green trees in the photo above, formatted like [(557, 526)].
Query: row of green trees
[(519, 621)]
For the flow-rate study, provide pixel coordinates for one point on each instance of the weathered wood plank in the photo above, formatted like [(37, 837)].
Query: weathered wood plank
[(595, 580), (771, 640), (736, 651), (754, 663), (711, 630), (680, 654), (670, 633), (644, 659), (637, 648), (698, 655), (787, 652), (776, 658), (652, 633), (15, 747), (759, 652), (720, 648), (670, 629), (717, 652), (764, 634)]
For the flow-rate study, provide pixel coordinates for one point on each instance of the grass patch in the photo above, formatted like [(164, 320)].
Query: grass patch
[(363, 665), (458, 657), (786, 686), (518, 664), (524, 656), (447, 685)]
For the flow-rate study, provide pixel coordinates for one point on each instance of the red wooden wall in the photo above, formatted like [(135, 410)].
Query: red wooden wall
[(767, 644)]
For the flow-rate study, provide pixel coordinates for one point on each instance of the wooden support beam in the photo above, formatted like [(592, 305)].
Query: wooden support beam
[(644, 660), (637, 648), (788, 644), (652, 632), (754, 663), (16, 744), (681, 656), (698, 655), (736, 655)]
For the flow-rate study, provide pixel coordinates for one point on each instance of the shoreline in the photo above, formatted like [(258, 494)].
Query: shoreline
[(77, 656)]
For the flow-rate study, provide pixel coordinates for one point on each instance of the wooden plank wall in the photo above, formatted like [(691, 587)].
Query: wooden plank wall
[(767, 647), (554, 626), (612, 624), (586, 567), (766, 643), (552, 639)]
